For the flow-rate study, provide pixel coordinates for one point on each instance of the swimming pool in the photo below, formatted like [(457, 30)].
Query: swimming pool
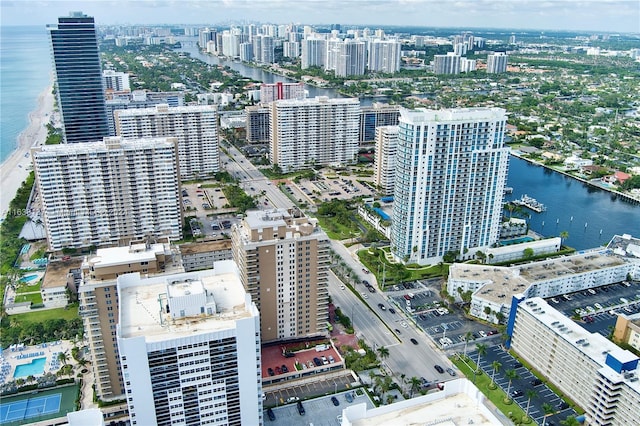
[(36, 366), (28, 278), (516, 241)]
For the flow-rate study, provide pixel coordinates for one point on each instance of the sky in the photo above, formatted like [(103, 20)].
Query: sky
[(586, 15)]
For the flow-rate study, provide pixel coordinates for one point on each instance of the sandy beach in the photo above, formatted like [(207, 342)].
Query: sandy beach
[(15, 168)]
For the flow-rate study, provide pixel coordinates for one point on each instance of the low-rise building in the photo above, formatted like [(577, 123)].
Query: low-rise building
[(600, 377), (198, 256), (512, 252), (60, 282), (627, 330)]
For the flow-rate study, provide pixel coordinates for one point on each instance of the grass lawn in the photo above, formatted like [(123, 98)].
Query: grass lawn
[(44, 315), (396, 272), (337, 231), (496, 396), (28, 288), (34, 298)]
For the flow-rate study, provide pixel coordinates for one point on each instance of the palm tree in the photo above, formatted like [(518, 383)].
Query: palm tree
[(63, 358), (511, 374), (383, 352), (563, 236), (482, 351), (570, 421), (548, 410), (496, 365), (467, 337), (530, 394), (415, 384)]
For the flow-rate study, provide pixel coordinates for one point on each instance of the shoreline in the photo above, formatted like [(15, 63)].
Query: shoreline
[(16, 168)]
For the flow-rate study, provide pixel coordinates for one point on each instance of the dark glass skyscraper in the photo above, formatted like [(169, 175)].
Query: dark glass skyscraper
[(79, 90)]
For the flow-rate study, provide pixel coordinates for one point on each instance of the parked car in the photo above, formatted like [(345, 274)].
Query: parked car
[(324, 359), (536, 382), (317, 361), (335, 401), (270, 414), (331, 359), (348, 397), (270, 371), (517, 365), (284, 369), (516, 393), (301, 410), (439, 369), (563, 405)]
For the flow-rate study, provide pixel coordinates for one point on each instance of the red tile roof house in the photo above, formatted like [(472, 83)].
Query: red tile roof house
[(617, 178)]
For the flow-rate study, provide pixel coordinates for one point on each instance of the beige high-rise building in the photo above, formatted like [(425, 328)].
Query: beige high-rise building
[(98, 299), (283, 258), (385, 158)]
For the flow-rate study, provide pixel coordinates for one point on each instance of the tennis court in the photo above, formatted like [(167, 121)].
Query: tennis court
[(37, 406)]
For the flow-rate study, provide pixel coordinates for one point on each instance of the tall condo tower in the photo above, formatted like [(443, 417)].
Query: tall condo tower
[(196, 128), (189, 348), (110, 192), (79, 89), (314, 131), (450, 173), (497, 62), (283, 258)]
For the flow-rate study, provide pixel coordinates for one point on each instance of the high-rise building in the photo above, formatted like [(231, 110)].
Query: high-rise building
[(446, 64), (196, 128), (314, 131), (467, 65), (139, 99), (603, 378), (384, 56), (263, 49), (385, 158), (497, 62), (346, 57), (246, 52), (205, 36), (98, 300), (79, 89), (291, 49), (283, 258), (314, 52), (257, 124), (189, 348), (270, 92), (115, 81), (109, 193), (451, 170), (376, 115)]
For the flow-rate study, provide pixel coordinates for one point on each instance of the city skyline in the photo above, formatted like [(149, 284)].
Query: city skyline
[(572, 15)]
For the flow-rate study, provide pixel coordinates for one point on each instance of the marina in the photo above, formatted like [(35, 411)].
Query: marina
[(530, 203)]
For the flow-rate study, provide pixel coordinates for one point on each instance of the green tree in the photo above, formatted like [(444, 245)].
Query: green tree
[(482, 351), (511, 375), (528, 253), (496, 366), (570, 421), (563, 236), (530, 394), (467, 337), (415, 385), (63, 358), (383, 352)]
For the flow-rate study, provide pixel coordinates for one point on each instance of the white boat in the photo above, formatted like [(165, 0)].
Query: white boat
[(530, 203)]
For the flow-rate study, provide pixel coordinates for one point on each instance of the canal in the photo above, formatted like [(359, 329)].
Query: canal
[(590, 215)]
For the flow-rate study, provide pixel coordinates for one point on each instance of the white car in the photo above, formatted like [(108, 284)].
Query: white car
[(404, 324), (364, 295), (342, 287), (482, 333)]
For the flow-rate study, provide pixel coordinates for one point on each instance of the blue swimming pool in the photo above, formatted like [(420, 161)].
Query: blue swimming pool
[(28, 278), (36, 366), (516, 241)]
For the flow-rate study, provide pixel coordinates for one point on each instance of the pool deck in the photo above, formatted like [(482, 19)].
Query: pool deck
[(9, 358)]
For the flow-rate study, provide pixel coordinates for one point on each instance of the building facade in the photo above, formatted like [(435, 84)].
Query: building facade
[(190, 349), (270, 92), (257, 124), (115, 81), (283, 258), (138, 99), (314, 52), (195, 127), (384, 56), (78, 78), (319, 131), (109, 193), (497, 62), (446, 64), (602, 378), (376, 115), (451, 170), (385, 158)]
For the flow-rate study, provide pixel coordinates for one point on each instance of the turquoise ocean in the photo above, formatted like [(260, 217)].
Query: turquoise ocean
[(25, 72)]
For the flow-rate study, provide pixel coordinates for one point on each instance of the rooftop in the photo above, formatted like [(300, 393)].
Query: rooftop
[(56, 273), (203, 247), (143, 303), (593, 345), (134, 253)]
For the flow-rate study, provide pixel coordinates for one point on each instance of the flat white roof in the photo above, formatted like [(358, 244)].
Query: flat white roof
[(142, 303), (136, 253), (266, 218)]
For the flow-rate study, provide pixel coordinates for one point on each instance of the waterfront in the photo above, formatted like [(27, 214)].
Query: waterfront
[(570, 205)]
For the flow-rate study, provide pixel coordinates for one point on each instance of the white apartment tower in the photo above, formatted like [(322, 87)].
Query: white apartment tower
[(385, 158), (189, 349), (451, 169), (195, 127), (595, 373), (346, 57), (115, 81), (446, 64), (497, 62), (291, 49), (314, 52), (270, 92), (283, 258), (384, 56), (314, 131), (109, 193)]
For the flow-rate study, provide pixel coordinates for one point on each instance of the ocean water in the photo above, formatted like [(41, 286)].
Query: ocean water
[(25, 71)]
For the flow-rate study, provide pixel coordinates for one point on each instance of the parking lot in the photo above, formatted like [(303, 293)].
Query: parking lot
[(599, 307), (447, 328), (319, 411), (523, 383)]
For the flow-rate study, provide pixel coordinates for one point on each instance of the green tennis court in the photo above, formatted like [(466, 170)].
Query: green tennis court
[(37, 406)]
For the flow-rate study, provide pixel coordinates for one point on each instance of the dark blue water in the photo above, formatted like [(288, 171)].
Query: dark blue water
[(571, 205)]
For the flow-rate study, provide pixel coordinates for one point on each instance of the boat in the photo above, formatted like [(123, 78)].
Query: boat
[(508, 190), (530, 203)]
